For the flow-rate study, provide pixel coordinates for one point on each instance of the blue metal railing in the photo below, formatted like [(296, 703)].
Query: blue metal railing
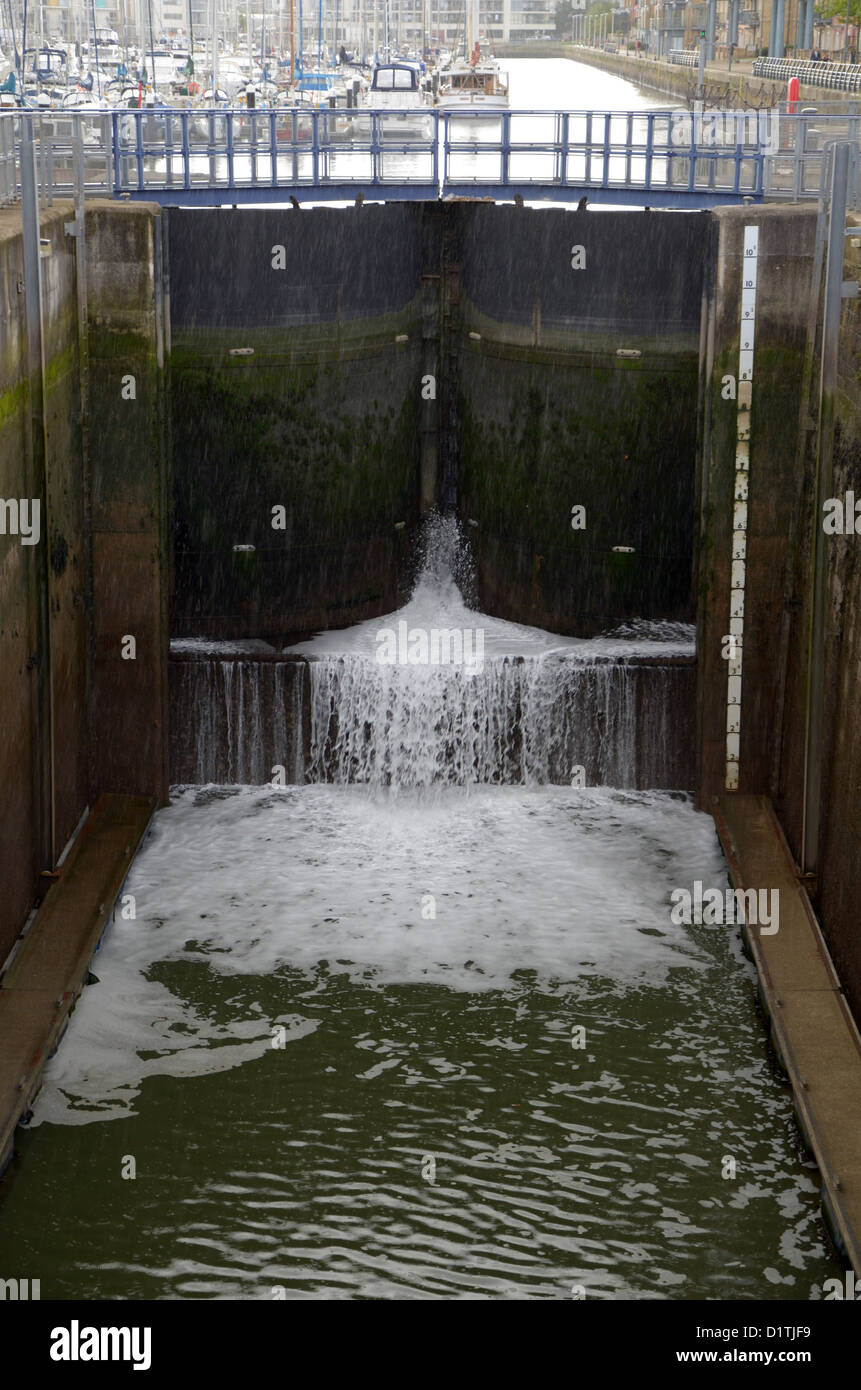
[(212, 155)]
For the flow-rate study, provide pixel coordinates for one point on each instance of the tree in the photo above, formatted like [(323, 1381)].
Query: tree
[(836, 9), (562, 16)]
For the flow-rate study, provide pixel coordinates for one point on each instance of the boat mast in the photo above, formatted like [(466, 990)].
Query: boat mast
[(151, 43), (95, 50), (214, 37)]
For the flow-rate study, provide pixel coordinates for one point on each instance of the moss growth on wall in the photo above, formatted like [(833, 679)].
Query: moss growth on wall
[(617, 439), (335, 446)]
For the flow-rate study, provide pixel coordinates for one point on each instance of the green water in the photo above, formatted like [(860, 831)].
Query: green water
[(415, 1138)]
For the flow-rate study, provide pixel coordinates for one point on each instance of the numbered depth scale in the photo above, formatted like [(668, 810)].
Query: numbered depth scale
[(739, 513)]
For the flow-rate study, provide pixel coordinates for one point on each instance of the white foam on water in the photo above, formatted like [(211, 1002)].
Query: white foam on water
[(561, 882), (437, 602)]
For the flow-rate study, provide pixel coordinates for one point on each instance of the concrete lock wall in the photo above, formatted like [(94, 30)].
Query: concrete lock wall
[(782, 519), (836, 883), (400, 355), (40, 579), (74, 722)]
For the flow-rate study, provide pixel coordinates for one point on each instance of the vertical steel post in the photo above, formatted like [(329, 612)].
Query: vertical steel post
[(779, 26), (807, 40), (824, 484), (78, 230), (37, 483)]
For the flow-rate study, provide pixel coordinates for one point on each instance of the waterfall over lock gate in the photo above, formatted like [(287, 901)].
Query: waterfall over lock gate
[(440, 693)]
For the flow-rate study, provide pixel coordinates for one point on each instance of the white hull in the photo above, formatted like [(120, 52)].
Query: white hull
[(473, 102)]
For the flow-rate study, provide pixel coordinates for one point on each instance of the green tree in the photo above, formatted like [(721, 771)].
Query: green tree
[(562, 16), (836, 9)]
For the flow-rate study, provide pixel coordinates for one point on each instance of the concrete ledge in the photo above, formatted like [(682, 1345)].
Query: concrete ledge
[(40, 986), (811, 1026)]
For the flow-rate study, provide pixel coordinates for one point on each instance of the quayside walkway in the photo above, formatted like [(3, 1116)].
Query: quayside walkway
[(47, 972), (812, 1028)]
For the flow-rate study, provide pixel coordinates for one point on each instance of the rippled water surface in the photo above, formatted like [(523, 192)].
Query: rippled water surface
[(429, 1129)]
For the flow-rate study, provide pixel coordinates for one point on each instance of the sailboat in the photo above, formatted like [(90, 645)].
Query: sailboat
[(473, 83)]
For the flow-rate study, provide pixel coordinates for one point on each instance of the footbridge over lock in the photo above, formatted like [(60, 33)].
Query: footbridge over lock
[(669, 159)]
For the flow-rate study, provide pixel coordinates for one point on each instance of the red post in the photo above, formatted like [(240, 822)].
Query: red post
[(792, 95)]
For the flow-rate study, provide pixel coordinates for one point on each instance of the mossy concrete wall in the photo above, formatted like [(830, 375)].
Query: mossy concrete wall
[(99, 736), (127, 333), (296, 384), (553, 417), (55, 568), (306, 388)]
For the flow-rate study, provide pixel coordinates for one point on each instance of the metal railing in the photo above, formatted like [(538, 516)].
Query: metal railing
[(684, 57), (843, 77), (230, 156)]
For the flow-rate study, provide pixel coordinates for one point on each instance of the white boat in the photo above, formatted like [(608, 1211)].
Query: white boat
[(474, 86), (475, 83), (396, 86)]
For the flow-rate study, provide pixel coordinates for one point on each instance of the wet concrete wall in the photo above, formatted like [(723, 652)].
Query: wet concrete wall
[(50, 575), (129, 444), (406, 354), (839, 878), (69, 728), (782, 519), (553, 417), (296, 384)]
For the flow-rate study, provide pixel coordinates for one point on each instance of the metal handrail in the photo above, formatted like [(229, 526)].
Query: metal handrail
[(843, 77), (183, 152)]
